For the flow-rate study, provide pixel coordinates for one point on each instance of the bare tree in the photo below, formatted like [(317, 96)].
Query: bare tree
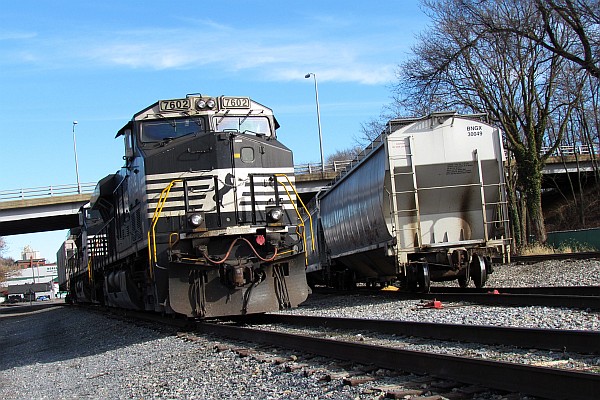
[(580, 141), (577, 19), (7, 265), (371, 129), (462, 64), (344, 155)]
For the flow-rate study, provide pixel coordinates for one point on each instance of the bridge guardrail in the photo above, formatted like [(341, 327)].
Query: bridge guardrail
[(300, 169), (571, 150), (338, 166), (313, 168), (46, 191)]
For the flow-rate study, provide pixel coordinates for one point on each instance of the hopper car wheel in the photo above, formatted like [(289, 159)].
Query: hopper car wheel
[(418, 278), (463, 281), (424, 278), (489, 267), (477, 270)]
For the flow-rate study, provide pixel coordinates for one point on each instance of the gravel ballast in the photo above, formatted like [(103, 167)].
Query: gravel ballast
[(68, 353), (550, 273), (65, 352)]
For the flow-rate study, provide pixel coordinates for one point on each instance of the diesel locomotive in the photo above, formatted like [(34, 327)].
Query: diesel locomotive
[(202, 219), (425, 201)]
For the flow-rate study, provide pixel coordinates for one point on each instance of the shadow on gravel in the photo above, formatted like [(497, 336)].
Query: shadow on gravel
[(15, 310), (54, 332)]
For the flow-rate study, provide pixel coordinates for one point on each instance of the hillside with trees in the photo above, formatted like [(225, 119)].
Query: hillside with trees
[(7, 265)]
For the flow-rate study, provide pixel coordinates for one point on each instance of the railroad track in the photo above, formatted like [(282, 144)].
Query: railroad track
[(580, 297), (546, 257), (544, 382), (530, 338), (512, 299), (544, 290)]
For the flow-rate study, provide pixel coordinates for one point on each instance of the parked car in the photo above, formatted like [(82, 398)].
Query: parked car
[(15, 299), (43, 298)]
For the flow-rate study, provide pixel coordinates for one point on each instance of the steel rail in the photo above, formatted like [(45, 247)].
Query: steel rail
[(587, 342), (545, 290), (545, 257), (523, 300), (486, 296), (537, 381)]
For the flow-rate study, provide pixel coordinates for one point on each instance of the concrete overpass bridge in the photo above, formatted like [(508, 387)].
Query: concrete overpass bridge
[(42, 209), (55, 207), (569, 161)]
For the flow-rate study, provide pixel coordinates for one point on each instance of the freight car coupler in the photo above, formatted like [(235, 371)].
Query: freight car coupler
[(236, 276)]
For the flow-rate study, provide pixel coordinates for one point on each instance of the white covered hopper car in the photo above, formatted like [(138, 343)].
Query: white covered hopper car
[(424, 202)]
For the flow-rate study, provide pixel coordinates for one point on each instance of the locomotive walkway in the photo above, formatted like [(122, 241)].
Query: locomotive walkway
[(55, 207)]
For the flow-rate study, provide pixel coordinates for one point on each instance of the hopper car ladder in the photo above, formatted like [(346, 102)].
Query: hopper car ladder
[(395, 160)]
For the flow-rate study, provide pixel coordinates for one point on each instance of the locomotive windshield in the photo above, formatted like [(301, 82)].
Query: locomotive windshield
[(244, 124), (159, 130)]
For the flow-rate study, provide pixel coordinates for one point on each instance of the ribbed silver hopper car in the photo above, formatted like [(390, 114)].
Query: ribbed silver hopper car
[(424, 202)]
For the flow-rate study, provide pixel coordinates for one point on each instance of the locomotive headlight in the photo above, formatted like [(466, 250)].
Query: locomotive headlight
[(202, 104), (196, 219), (274, 215)]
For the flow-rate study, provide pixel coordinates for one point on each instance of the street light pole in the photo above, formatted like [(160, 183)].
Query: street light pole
[(76, 163), (318, 121)]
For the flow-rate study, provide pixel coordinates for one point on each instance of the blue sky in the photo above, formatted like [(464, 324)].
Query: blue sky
[(100, 62)]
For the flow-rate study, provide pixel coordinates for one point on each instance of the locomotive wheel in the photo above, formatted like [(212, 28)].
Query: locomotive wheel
[(477, 270)]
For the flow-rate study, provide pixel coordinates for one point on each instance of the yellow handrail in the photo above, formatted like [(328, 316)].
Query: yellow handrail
[(301, 223), (151, 232), (152, 258), (89, 268), (173, 243)]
